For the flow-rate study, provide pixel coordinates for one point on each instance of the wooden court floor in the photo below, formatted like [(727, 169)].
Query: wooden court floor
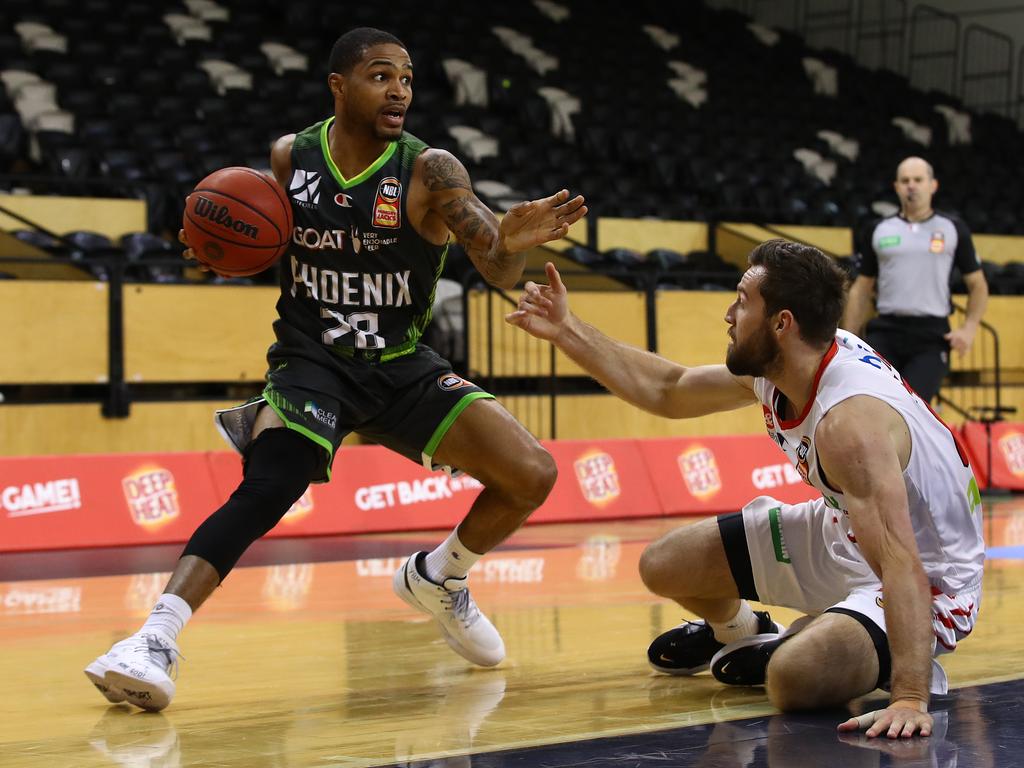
[(318, 664)]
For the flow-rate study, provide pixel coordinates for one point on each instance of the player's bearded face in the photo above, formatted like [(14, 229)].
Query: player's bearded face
[(754, 353)]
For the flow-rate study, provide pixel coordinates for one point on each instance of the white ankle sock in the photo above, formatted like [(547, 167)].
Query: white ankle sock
[(169, 616), (743, 624), (451, 559)]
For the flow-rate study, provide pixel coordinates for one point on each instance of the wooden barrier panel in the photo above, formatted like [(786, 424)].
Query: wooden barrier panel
[(646, 234), (837, 241), (197, 333), (112, 217), (597, 416), (691, 326), (1004, 314), (515, 353), (53, 332), (47, 430), (999, 249)]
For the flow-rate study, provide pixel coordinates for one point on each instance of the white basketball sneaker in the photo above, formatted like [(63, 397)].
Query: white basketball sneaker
[(136, 670), (469, 633), (97, 671)]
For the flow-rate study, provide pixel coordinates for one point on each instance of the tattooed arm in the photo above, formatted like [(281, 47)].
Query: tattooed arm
[(496, 250)]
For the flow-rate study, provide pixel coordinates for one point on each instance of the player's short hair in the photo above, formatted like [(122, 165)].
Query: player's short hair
[(350, 48), (805, 281)]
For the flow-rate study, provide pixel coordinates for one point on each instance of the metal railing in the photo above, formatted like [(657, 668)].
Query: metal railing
[(829, 24), (881, 31), (988, 70), (934, 49)]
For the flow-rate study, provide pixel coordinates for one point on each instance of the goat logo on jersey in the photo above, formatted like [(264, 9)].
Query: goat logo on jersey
[(387, 211)]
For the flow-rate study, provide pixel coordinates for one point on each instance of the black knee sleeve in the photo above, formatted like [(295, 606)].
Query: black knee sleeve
[(279, 465)]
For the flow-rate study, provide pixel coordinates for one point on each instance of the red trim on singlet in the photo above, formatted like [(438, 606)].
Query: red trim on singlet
[(783, 424)]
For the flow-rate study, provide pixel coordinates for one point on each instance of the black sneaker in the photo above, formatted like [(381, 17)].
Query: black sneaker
[(690, 647), (745, 662)]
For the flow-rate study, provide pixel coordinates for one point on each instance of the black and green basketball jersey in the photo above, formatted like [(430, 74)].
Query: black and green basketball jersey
[(359, 277)]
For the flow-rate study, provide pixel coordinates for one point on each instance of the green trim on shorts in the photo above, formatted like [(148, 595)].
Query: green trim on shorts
[(453, 414), (777, 539), (279, 405)]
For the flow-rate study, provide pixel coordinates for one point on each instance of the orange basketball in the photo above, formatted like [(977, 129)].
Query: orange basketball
[(238, 221)]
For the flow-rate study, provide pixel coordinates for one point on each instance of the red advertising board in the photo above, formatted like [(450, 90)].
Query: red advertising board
[(63, 502), (598, 480), (1007, 452), (710, 475), (58, 502)]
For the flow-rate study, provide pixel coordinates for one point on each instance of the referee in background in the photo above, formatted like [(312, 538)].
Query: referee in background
[(910, 256)]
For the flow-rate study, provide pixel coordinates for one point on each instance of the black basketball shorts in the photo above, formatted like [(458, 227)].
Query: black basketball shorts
[(407, 403)]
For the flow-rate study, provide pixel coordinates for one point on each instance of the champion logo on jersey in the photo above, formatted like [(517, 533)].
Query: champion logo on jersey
[(345, 201), (305, 188)]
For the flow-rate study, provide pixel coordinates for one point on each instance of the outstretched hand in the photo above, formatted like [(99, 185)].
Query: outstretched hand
[(543, 309), (535, 222), (190, 254), (901, 719)]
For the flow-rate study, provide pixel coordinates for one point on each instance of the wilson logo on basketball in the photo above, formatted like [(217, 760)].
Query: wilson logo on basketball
[(1012, 446), (219, 215), (597, 477), (152, 496), (699, 469)]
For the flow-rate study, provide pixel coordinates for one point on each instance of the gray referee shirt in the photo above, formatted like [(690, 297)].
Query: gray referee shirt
[(913, 262)]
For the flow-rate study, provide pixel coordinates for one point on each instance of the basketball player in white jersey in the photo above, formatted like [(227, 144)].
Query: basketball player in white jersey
[(886, 565)]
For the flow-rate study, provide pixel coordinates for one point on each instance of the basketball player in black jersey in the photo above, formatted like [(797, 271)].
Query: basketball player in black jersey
[(374, 209)]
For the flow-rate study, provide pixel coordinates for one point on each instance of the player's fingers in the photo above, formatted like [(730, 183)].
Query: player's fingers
[(575, 215), (848, 725), (570, 206), (554, 278), (556, 199), (181, 237), (909, 729), (875, 722)]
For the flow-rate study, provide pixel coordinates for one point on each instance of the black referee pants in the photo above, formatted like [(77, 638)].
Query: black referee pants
[(916, 347)]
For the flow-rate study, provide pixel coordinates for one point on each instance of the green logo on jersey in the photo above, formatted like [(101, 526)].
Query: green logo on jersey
[(973, 494), (778, 540), (888, 242)]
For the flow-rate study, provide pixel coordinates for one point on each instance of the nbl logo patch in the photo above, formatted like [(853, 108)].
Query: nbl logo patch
[(387, 211), (450, 381)]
